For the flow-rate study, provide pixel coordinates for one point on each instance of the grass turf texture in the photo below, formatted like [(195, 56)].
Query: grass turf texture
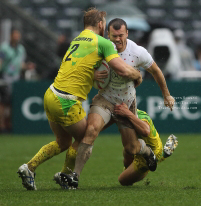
[(177, 181)]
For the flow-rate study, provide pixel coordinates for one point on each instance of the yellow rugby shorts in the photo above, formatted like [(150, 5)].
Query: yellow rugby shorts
[(140, 163), (62, 111)]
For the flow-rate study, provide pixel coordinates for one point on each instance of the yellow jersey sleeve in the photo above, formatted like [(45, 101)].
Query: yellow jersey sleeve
[(153, 139)]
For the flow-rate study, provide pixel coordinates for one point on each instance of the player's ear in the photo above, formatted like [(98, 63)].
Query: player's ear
[(127, 33), (100, 24)]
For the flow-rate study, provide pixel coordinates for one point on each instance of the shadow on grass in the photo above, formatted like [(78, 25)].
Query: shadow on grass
[(113, 188)]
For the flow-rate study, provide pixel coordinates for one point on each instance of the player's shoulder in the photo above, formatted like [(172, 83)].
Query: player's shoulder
[(135, 49), (140, 112), (104, 40), (131, 43), (106, 43), (143, 115)]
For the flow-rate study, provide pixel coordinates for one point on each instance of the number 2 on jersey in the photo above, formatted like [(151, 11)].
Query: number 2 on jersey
[(74, 48)]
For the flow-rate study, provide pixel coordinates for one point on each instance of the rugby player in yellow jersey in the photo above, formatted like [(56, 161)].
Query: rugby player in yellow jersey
[(136, 167), (63, 99)]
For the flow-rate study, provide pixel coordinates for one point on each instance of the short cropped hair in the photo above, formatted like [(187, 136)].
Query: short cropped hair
[(93, 16), (116, 24)]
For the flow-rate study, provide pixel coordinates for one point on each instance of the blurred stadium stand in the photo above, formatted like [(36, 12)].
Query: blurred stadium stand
[(39, 41), (42, 21), (52, 11)]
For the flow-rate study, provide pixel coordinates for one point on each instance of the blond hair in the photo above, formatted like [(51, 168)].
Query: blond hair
[(93, 16)]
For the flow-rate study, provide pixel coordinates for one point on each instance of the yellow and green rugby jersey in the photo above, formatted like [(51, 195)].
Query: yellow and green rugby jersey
[(76, 73), (153, 139)]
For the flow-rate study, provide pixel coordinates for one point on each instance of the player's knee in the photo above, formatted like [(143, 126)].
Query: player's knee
[(124, 182), (132, 149), (91, 134), (63, 144), (92, 130)]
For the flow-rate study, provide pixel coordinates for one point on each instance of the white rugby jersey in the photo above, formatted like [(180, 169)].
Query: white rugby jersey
[(121, 89)]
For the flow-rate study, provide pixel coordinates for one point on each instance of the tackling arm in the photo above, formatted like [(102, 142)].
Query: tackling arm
[(141, 127), (125, 70)]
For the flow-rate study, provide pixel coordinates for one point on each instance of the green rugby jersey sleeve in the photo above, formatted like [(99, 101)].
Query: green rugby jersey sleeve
[(143, 115), (106, 49)]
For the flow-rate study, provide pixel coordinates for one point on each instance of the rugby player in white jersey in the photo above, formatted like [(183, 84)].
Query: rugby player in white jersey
[(119, 90)]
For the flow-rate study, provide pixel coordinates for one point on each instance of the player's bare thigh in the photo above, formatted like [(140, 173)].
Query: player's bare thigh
[(130, 176), (95, 124), (98, 117), (96, 121), (130, 140), (123, 122), (128, 134), (63, 138), (77, 130), (64, 134)]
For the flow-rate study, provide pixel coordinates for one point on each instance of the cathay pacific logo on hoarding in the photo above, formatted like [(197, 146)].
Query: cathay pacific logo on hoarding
[(26, 109), (185, 108)]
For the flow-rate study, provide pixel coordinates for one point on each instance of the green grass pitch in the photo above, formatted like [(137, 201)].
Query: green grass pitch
[(177, 181)]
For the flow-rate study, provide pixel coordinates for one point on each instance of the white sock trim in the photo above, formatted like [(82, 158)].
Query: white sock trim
[(143, 145)]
